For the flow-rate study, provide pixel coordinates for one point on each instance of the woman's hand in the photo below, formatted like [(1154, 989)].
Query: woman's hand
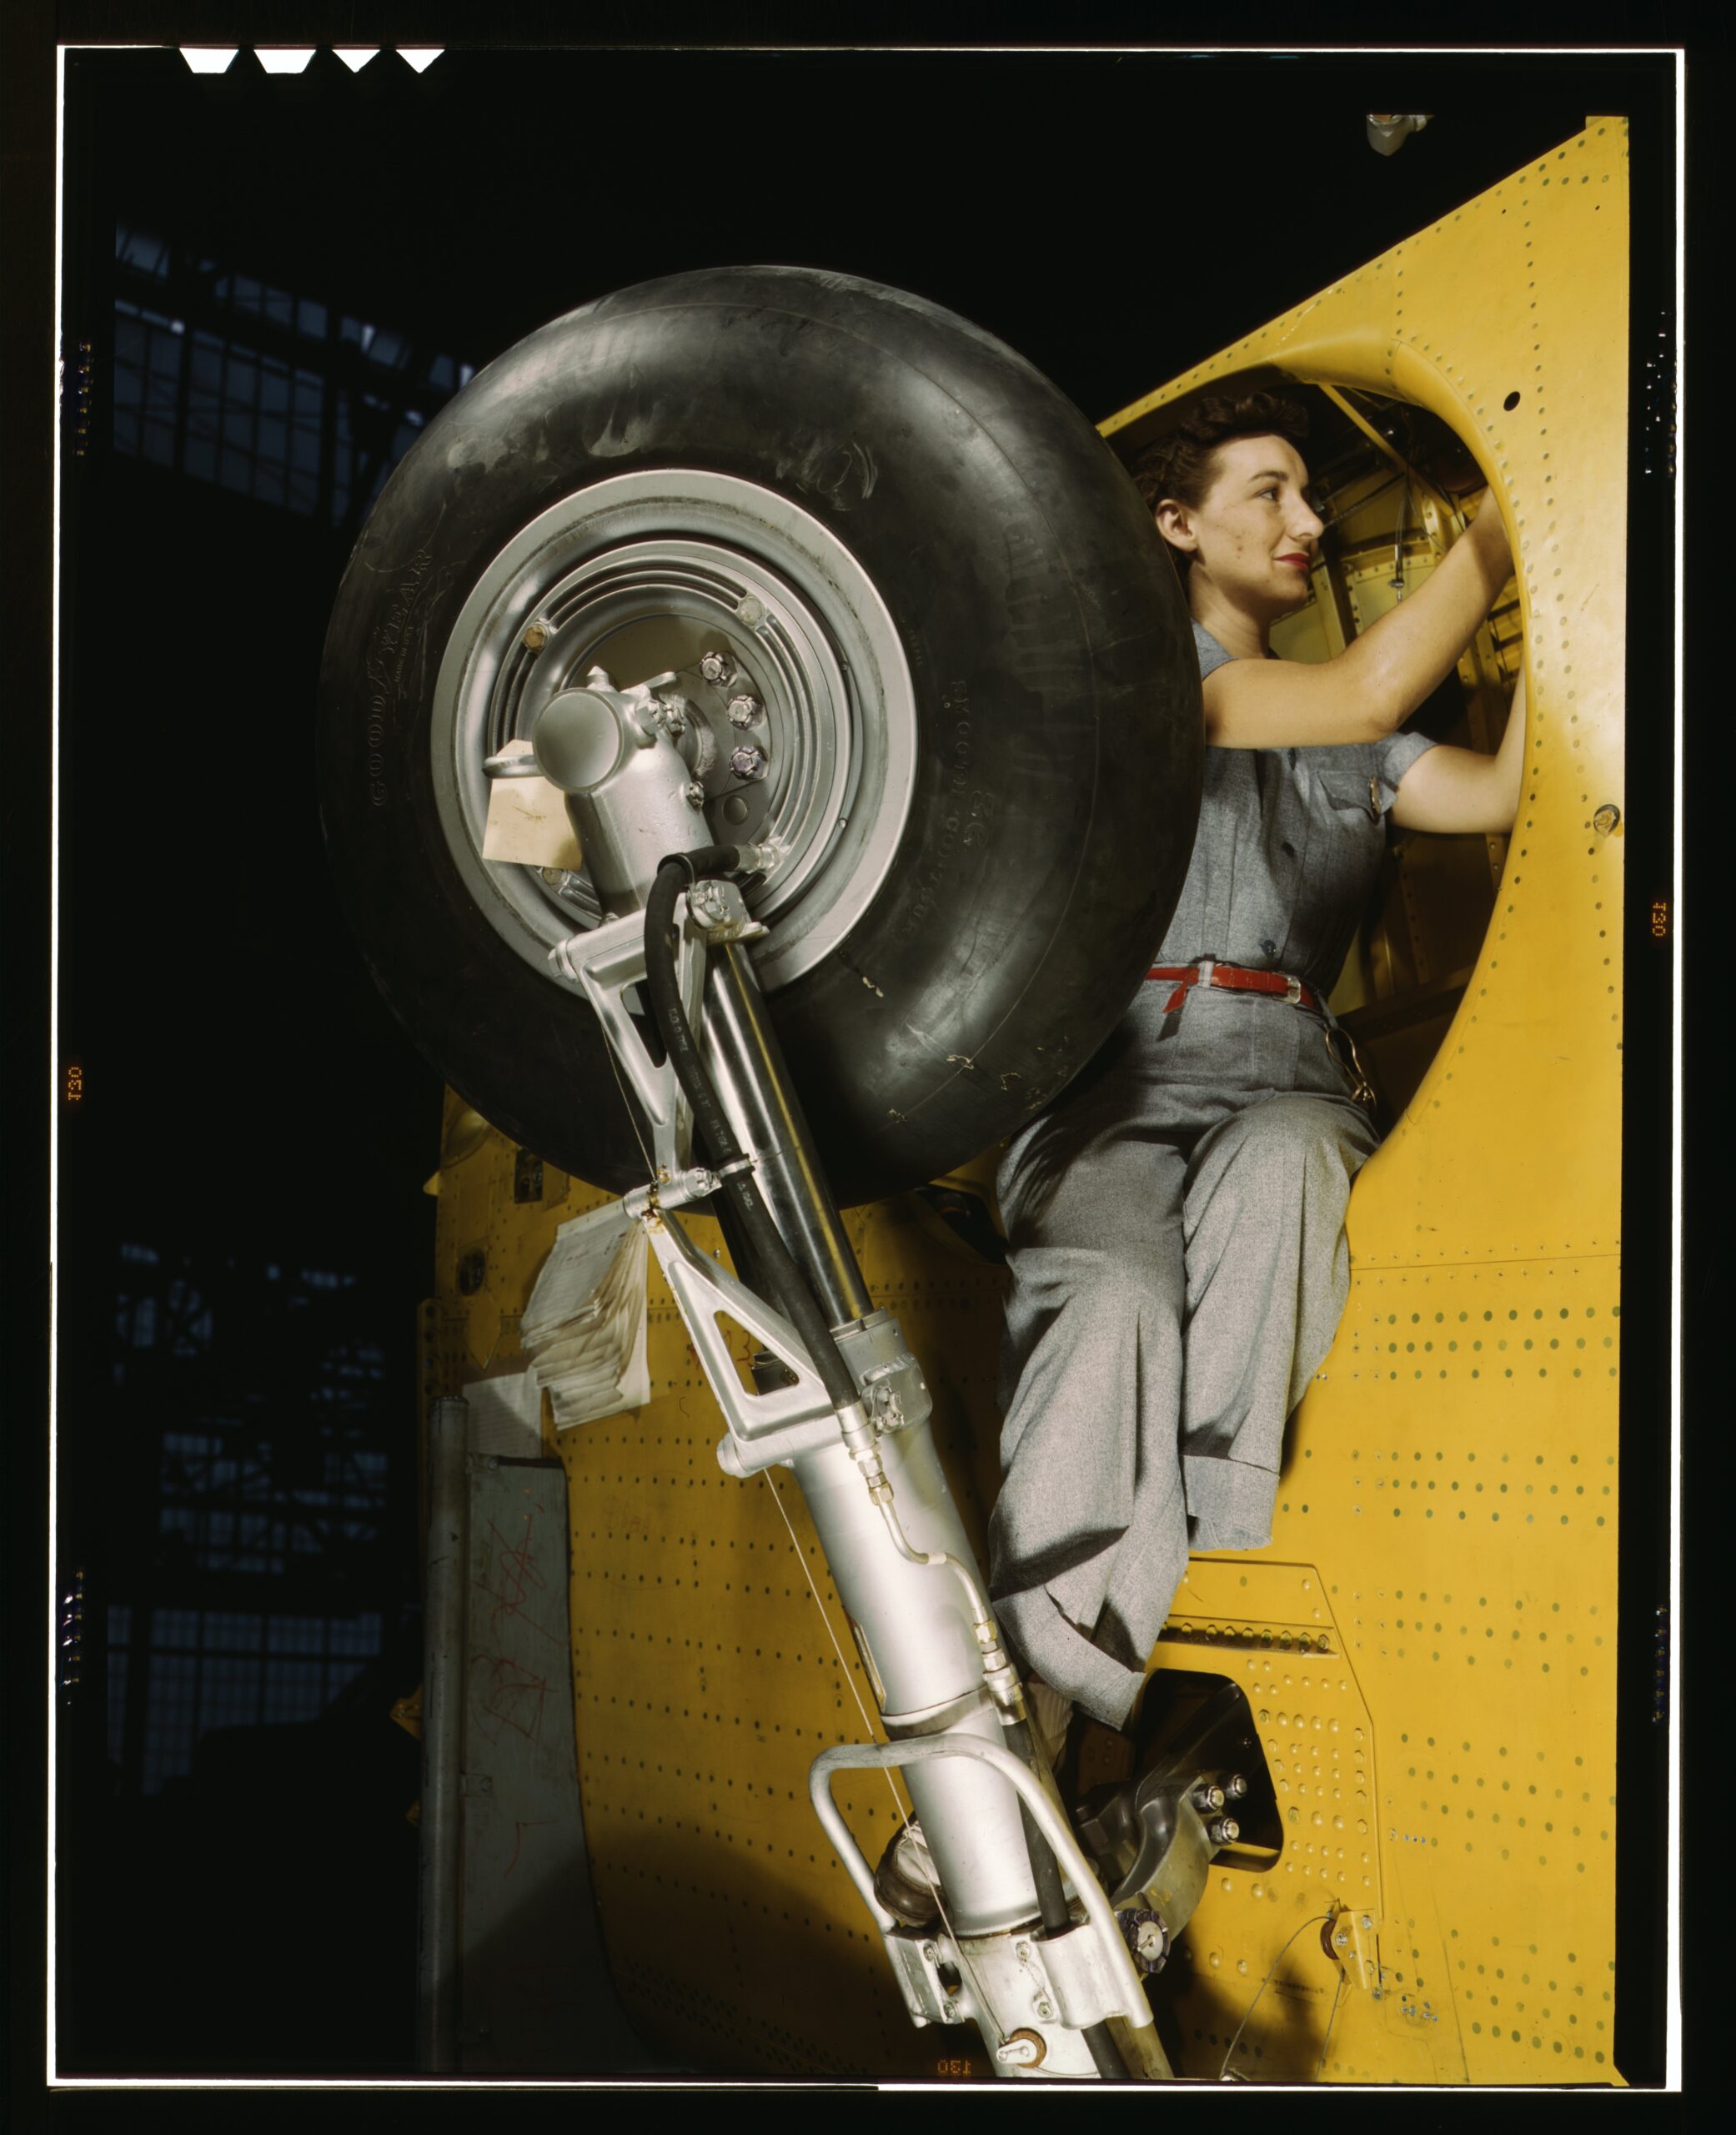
[(1375, 684), (1449, 789)]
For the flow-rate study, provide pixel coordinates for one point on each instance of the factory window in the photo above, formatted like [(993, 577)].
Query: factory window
[(259, 390), (215, 1668), (287, 1479), (148, 349)]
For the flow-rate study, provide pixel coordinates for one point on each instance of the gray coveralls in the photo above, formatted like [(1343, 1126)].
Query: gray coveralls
[(1176, 1230)]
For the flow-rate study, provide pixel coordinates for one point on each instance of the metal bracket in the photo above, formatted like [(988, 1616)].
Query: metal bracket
[(720, 909), (916, 1955), (764, 1428), (1096, 1980), (1071, 1978), (607, 961), (1349, 1937)]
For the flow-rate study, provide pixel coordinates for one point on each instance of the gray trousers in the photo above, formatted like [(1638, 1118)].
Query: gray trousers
[(1176, 1233)]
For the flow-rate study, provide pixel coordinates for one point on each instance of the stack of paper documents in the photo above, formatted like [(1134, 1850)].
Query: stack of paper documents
[(584, 1323)]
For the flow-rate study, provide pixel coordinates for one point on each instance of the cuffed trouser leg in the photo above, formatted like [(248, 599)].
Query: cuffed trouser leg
[(1092, 1368)]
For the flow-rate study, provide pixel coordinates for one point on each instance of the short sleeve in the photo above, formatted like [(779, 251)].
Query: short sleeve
[(1392, 758), (1211, 653)]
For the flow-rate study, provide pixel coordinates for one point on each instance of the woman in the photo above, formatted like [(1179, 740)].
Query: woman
[(1176, 1221)]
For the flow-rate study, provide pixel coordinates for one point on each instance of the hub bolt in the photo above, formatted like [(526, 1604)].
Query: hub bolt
[(717, 667), (743, 710), (747, 762), (536, 636)]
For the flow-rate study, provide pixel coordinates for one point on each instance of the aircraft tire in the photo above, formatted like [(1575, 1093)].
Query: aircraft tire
[(978, 704)]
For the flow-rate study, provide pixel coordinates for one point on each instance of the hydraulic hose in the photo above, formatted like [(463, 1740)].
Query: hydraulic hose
[(796, 1299)]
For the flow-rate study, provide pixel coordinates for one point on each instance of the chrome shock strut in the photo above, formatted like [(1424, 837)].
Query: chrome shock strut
[(850, 1419)]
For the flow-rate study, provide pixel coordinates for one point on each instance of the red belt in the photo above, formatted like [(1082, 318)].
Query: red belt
[(1237, 978)]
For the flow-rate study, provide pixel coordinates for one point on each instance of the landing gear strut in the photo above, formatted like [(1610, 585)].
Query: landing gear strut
[(1027, 1946)]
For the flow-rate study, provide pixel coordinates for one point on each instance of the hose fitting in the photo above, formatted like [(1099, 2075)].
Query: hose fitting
[(859, 1434)]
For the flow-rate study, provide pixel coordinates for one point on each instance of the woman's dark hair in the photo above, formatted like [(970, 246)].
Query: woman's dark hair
[(1179, 464)]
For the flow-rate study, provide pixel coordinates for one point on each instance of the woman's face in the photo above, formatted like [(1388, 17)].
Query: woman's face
[(1255, 535)]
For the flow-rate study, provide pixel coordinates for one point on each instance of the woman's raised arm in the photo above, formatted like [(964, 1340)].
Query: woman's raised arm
[(1374, 685)]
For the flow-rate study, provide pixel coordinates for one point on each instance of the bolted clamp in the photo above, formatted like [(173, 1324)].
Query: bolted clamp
[(719, 914)]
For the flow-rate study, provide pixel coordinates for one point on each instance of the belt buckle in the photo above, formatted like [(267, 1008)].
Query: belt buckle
[(1292, 990)]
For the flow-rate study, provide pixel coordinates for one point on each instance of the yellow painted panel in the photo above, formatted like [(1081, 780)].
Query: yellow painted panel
[(1453, 1470)]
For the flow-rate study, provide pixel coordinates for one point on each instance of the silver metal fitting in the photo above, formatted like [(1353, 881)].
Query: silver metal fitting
[(565, 883), (721, 914), (693, 1184), (761, 859), (743, 710), (748, 762), (694, 794), (1236, 1786), (673, 715), (717, 667), (859, 1439), (1208, 1797), (537, 633), (893, 1390), (1224, 1831), (505, 766)]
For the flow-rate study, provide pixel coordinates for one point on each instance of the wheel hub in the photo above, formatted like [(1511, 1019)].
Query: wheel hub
[(783, 681)]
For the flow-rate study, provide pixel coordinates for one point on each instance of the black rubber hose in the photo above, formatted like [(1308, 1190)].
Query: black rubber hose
[(1052, 1899), (789, 1285)]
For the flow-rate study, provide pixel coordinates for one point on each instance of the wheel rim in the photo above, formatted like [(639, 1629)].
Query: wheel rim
[(642, 574)]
